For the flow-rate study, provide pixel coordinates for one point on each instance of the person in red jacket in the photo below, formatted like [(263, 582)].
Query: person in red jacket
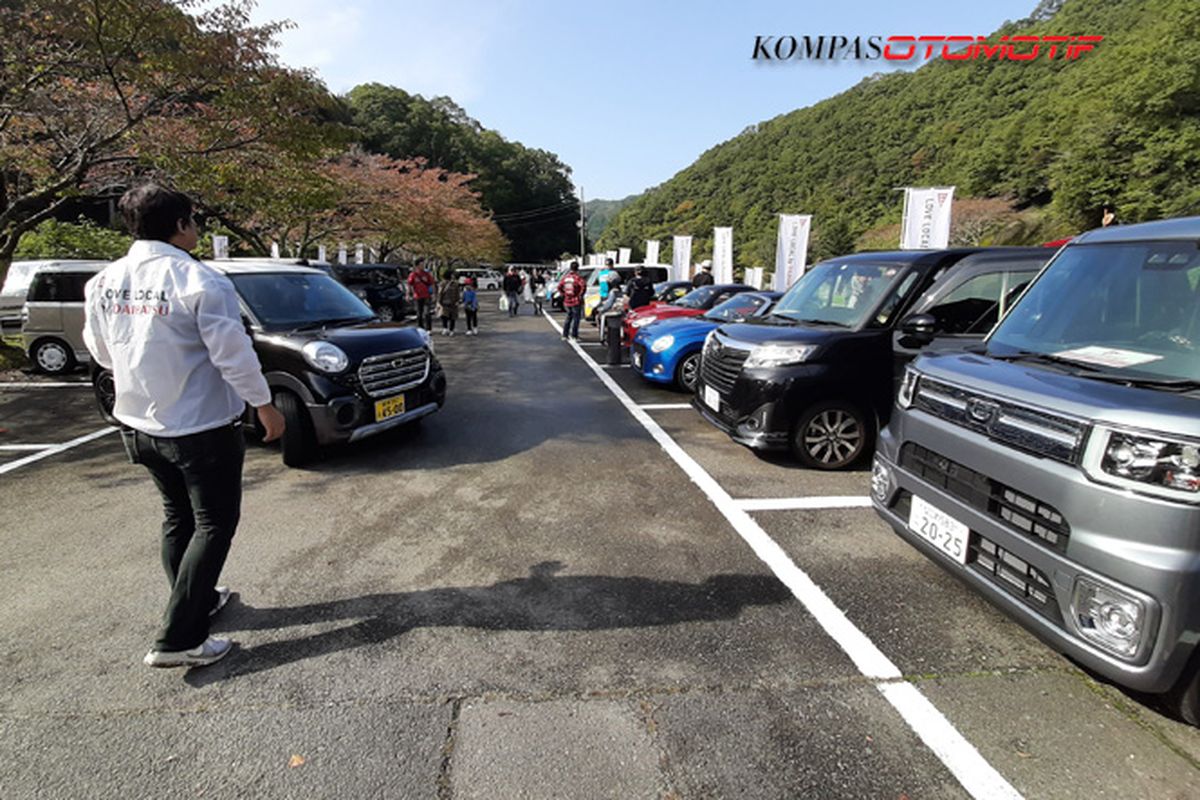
[(420, 284), (572, 287)]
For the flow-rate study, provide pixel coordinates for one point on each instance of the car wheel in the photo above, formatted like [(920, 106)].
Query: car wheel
[(386, 313), (1184, 700), (52, 356), (688, 372), (298, 444), (831, 435), (105, 392)]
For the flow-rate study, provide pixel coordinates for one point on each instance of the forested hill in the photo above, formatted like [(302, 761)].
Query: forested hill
[(600, 213), (1051, 142)]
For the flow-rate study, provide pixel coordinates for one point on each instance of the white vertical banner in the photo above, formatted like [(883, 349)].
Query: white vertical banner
[(220, 246), (320, 252), (754, 277), (358, 253), (681, 258), (341, 252), (274, 249), (926, 222), (610, 254), (652, 251), (722, 255), (791, 249), (624, 254)]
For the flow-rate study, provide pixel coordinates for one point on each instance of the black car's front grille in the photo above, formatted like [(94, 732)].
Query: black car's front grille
[(394, 372), (1022, 427), (720, 365), (1002, 568), (1019, 511)]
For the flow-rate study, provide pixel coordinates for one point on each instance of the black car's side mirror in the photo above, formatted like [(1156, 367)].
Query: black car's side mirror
[(918, 330), (246, 324)]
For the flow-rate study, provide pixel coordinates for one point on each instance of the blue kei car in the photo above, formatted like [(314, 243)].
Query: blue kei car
[(669, 351)]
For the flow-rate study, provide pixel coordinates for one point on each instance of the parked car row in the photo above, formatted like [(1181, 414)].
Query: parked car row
[(1035, 426)]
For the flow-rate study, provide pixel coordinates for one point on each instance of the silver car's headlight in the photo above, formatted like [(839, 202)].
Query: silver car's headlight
[(908, 387), (1151, 463), (662, 343), (325, 356), (779, 355)]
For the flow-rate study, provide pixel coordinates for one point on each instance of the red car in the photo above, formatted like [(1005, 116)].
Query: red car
[(692, 304)]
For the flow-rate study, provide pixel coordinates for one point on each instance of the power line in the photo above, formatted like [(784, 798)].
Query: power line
[(533, 212)]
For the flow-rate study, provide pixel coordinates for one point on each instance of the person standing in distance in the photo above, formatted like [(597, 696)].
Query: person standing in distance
[(704, 276), (572, 287), (420, 284), (641, 288), (512, 290), (170, 329)]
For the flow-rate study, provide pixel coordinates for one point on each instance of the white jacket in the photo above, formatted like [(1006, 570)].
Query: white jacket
[(170, 329)]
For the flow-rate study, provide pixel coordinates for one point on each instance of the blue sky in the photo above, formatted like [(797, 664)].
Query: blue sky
[(627, 93)]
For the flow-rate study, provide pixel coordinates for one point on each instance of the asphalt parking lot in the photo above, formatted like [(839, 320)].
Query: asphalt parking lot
[(564, 584)]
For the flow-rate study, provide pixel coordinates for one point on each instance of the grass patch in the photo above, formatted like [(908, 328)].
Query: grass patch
[(11, 354)]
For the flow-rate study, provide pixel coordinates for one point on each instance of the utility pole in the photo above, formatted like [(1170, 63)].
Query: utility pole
[(582, 233)]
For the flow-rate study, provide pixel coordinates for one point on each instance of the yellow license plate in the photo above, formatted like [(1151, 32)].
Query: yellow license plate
[(390, 407)]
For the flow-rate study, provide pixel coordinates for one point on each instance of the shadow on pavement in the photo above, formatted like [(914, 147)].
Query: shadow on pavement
[(540, 602)]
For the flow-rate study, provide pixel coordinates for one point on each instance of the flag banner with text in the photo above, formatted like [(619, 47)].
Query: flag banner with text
[(652, 251), (358, 254), (681, 258), (926, 221), (624, 254), (341, 252), (220, 246), (723, 255), (791, 249), (610, 254), (320, 252)]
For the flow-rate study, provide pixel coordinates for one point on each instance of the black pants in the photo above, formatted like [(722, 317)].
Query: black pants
[(200, 480), (425, 313), (448, 323), (472, 318)]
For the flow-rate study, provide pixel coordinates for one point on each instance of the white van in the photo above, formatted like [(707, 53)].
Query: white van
[(484, 278)]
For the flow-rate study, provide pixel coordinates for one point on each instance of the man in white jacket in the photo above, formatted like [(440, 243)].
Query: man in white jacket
[(170, 329)]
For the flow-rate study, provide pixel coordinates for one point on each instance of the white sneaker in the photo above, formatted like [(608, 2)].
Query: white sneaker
[(213, 649), (451, 333), (223, 594)]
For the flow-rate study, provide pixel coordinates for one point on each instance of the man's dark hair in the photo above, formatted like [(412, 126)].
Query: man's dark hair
[(608, 262), (639, 270), (154, 212), (574, 267)]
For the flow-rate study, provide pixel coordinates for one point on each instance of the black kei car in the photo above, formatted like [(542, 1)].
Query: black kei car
[(337, 373), (817, 374)]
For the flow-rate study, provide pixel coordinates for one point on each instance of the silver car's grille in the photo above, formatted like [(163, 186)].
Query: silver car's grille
[(1022, 427), (394, 372)]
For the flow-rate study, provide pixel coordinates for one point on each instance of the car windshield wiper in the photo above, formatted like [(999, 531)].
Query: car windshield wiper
[(1166, 384), (325, 323), (803, 321), (1046, 358)]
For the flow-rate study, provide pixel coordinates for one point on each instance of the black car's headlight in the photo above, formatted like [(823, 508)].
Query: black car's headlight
[(325, 356), (779, 355)]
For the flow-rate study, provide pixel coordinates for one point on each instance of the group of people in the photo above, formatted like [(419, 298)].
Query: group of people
[(615, 295), (523, 286), (443, 296)]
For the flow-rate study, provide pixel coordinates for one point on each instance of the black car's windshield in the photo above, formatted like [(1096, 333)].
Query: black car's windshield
[(845, 293), (287, 300), (740, 306), (697, 298), (1128, 310)]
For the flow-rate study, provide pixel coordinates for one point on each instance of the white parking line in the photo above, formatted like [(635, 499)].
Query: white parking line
[(977, 776), (663, 406), (42, 384), (800, 503), (26, 446), (54, 450)]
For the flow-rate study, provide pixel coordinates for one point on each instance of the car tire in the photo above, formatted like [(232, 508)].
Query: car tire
[(52, 356), (105, 392), (832, 435), (687, 374), (298, 445), (1183, 702), (386, 313)]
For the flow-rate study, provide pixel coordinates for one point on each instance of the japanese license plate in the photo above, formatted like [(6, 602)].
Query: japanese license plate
[(940, 529), (712, 398), (637, 360), (389, 407)]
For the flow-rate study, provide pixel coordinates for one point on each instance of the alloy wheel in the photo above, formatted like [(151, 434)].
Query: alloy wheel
[(833, 437)]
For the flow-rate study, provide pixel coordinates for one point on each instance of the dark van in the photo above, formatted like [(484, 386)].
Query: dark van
[(816, 375)]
